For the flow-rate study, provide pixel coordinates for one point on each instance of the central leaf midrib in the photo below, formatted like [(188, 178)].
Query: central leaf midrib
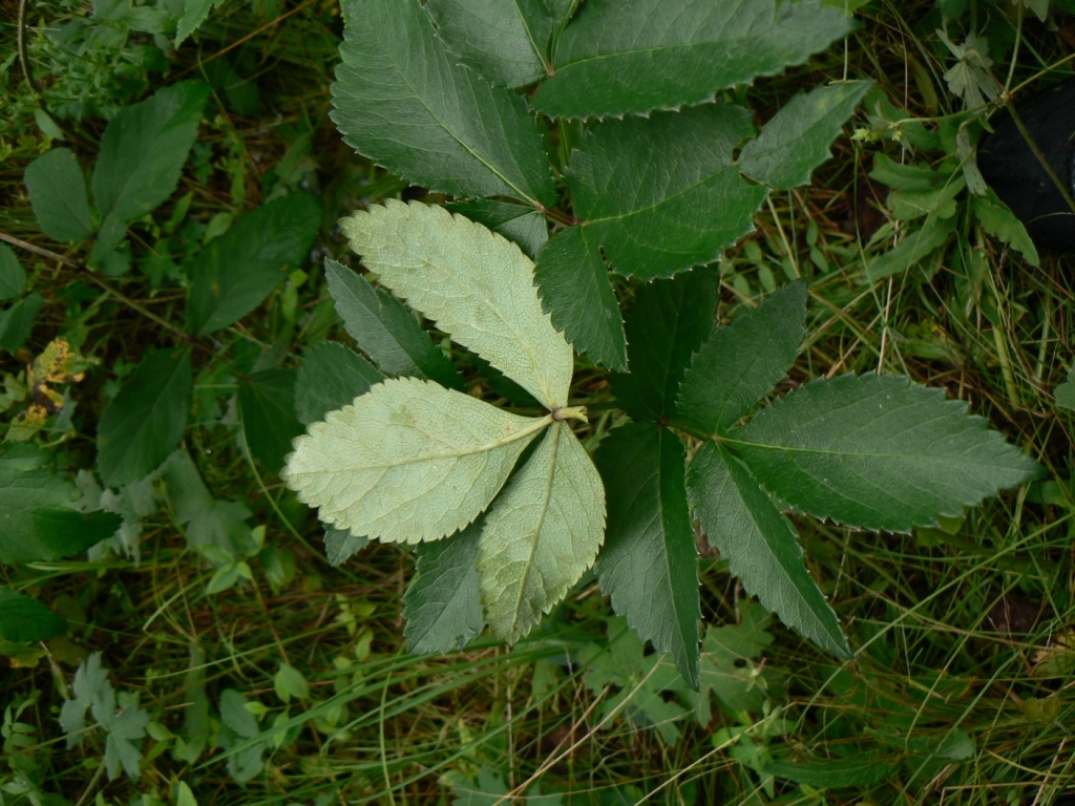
[(536, 532), (946, 458), (620, 217), (451, 132), (536, 426)]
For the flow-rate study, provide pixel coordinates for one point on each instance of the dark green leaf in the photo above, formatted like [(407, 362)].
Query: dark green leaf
[(145, 422), (655, 217), (341, 545), (864, 769), (742, 362), (331, 376), (58, 195), (875, 452), (634, 56), (667, 322), (649, 564), (577, 293), (759, 545), (22, 492), (402, 102), (62, 532), (25, 619), (442, 606), (12, 275), (506, 41), (142, 155), (267, 409), (385, 330), (797, 139), (194, 14), (523, 225), (236, 271), (17, 320)]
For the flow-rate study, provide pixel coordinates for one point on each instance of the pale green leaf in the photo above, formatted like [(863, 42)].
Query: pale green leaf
[(290, 683), (145, 421), (876, 452), (759, 545), (649, 564), (797, 138), (443, 606), (740, 363), (408, 462), (912, 249), (142, 155), (998, 220), (58, 195), (476, 285), (541, 534), (401, 101), (635, 56)]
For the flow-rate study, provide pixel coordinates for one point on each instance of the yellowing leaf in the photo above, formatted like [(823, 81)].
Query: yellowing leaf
[(476, 285), (541, 534), (409, 461)]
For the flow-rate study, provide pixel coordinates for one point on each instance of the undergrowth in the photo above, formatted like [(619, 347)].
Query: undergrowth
[(267, 675)]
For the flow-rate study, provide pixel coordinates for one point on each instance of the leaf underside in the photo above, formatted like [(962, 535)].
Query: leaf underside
[(759, 545), (407, 462), (649, 564), (875, 452), (542, 533), (475, 284)]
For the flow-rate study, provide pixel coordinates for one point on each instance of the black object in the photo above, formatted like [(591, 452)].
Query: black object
[(1010, 167)]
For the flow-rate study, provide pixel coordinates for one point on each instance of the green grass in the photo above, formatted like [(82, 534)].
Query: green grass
[(967, 713)]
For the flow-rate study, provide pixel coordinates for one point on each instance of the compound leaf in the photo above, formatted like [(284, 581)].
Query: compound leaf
[(667, 322), (541, 534), (506, 41), (402, 102), (649, 565), (759, 545), (142, 155), (740, 363), (145, 421), (655, 217), (331, 376), (443, 605), (635, 56), (476, 285), (876, 452), (385, 330), (236, 271), (58, 195), (25, 619), (797, 138), (267, 412), (409, 461), (577, 292)]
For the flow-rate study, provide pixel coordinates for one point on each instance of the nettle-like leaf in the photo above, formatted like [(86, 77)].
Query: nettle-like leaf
[(411, 461)]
